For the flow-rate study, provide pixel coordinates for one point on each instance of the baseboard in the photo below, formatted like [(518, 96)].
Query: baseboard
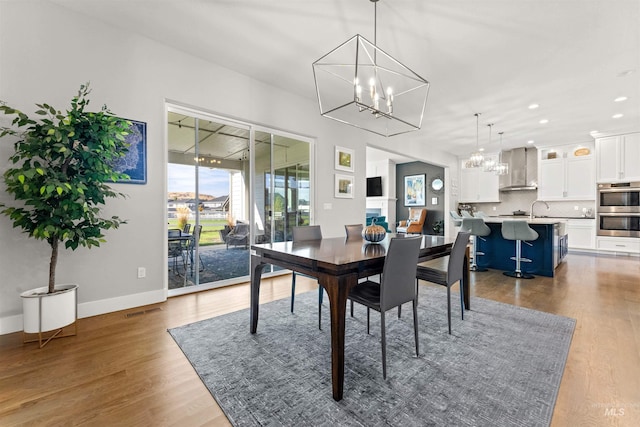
[(12, 324)]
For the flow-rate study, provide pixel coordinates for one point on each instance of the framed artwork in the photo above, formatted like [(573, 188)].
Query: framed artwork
[(344, 159), (414, 190), (344, 187), (134, 163)]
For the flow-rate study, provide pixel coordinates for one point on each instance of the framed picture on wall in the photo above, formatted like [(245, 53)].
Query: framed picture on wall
[(344, 187), (344, 159), (414, 190), (134, 163)]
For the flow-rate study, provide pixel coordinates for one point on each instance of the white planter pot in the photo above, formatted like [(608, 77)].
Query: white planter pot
[(42, 312)]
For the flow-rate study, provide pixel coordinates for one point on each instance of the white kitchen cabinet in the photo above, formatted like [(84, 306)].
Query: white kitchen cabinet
[(618, 158), (618, 244), (582, 233), (567, 173), (476, 185)]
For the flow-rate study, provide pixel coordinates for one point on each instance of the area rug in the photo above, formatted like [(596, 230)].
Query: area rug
[(502, 365)]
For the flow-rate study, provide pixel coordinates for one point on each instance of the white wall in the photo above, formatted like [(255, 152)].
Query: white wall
[(46, 52)]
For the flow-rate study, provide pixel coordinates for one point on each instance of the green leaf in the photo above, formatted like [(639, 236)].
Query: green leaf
[(59, 190), (21, 179)]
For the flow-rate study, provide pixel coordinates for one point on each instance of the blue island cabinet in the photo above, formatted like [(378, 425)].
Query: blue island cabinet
[(498, 251)]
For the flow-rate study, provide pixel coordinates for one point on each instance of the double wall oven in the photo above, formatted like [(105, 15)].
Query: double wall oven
[(619, 209)]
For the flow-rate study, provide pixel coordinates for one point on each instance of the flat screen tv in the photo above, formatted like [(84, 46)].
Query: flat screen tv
[(374, 186)]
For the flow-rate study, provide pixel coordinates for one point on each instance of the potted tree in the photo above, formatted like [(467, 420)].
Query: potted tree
[(59, 177)]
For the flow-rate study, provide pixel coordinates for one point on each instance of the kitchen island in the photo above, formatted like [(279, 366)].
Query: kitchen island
[(545, 253)]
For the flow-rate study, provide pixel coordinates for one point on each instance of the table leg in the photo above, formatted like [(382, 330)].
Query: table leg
[(338, 290), (256, 274), (465, 281)]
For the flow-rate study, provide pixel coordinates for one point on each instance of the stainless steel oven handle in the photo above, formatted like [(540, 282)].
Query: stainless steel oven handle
[(620, 214), (619, 190)]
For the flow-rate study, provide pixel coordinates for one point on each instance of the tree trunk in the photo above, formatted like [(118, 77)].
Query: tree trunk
[(52, 265)]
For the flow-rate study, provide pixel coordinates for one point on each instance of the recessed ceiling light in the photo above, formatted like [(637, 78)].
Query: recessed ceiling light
[(533, 106), (531, 141), (482, 149), (617, 116), (620, 99), (593, 132), (544, 121)]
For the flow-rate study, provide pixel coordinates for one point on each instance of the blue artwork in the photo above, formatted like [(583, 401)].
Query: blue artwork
[(134, 163)]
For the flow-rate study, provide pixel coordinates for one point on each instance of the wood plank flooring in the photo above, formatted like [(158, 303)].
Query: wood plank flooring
[(123, 369)]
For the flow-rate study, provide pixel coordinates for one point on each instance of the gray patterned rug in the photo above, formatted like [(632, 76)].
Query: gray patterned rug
[(501, 367)]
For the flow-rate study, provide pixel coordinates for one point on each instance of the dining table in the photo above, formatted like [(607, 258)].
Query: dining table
[(337, 263)]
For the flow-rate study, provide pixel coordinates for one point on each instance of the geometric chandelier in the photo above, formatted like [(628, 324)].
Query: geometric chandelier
[(359, 84)]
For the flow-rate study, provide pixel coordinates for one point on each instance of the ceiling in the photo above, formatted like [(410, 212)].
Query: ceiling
[(496, 57)]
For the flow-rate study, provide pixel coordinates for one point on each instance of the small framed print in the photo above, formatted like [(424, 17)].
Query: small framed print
[(344, 159), (344, 187)]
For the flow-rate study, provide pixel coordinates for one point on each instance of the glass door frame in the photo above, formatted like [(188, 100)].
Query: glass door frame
[(203, 114)]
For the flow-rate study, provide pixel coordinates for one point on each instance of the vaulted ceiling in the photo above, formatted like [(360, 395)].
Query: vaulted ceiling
[(571, 57)]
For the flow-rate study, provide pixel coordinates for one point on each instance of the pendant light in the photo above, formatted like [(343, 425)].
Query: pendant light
[(501, 168), (476, 159), (490, 163), (359, 84)]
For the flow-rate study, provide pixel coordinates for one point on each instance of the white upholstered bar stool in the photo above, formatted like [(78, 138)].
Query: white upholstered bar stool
[(519, 231), (478, 229)]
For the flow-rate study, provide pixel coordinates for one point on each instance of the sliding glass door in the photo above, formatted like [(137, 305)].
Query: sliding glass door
[(216, 171)]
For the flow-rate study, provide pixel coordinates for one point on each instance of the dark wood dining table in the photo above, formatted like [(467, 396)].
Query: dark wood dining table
[(337, 263)]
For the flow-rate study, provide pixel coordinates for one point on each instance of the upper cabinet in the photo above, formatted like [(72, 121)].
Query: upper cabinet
[(478, 186), (567, 172), (618, 158)]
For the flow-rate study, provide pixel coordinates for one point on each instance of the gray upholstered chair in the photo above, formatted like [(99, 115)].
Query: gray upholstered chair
[(397, 286), (430, 272), (519, 231), (309, 232), (354, 231), (239, 235), (466, 214), (478, 229)]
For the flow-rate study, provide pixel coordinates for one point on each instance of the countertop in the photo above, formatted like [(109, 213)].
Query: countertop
[(542, 221)]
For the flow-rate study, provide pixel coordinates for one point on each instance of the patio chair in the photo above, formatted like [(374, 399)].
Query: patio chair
[(195, 239), (238, 236), (175, 248)]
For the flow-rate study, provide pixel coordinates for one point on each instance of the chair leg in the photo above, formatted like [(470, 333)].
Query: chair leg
[(461, 299), (368, 312), (320, 292), (399, 311), (449, 307), (293, 289), (351, 308), (415, 325), (383, 336)]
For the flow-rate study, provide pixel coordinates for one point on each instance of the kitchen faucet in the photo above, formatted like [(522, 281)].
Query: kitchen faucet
[(532, 204)]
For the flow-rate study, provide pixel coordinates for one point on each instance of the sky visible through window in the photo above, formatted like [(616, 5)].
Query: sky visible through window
[(214, 182)]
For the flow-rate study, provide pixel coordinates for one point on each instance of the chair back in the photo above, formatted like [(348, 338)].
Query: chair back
[(195, 237), (186, 228), (398, 284), (455, 268), (354, 230), (309, 232), (518, 229), (475, 226), (466, 214)]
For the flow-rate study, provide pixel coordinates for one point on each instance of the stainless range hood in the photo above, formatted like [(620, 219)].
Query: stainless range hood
[(523, 170)]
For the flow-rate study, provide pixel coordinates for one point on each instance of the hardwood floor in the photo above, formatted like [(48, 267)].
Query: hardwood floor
[(124, 369)]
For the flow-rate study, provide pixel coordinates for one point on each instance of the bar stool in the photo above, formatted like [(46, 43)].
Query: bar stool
[(519, 231), (478, 229)]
